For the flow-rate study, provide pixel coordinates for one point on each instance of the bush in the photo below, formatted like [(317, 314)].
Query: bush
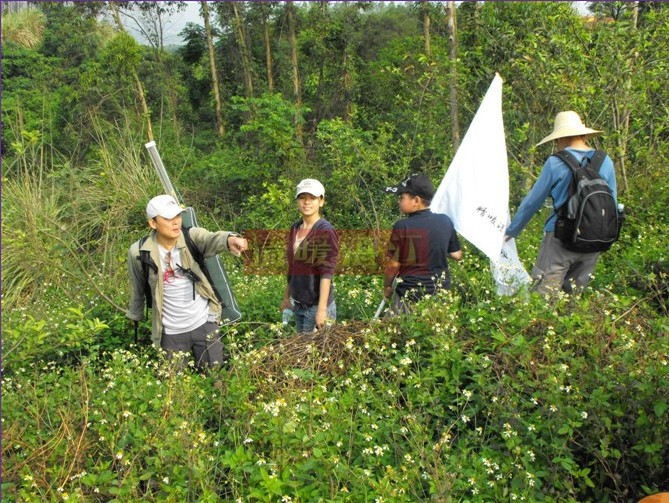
[(488, 399)]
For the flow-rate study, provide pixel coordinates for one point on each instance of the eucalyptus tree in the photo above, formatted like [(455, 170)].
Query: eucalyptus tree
[(313, 33), (632, 91), (132, 68), (329, 39), (150, 20), (232, 17), (262, 13), (424, 9), (297, 84), (195, 73), (204, 10), (348, 20)]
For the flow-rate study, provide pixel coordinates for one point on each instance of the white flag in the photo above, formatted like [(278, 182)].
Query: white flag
[(475, 191), (508, 270)]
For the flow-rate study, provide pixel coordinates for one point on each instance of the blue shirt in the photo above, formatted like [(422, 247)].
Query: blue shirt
[(554, 181)]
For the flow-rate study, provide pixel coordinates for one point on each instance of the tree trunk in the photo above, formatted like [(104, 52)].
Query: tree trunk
[(319, 108), (346, 79), (621, 110), (140, 89), (171, 89), (453, 57), (268, 56), (426, 29), (214, 73), (297, 87), (626, 109), (240, 32)]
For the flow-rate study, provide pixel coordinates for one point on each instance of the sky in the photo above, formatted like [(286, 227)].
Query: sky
[(173, 25), (192, 15)]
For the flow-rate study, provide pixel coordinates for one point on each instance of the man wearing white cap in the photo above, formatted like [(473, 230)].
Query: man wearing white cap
[(185, 310), (558, 268)]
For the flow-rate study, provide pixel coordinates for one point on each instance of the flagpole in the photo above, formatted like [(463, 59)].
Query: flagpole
[(380, 308)]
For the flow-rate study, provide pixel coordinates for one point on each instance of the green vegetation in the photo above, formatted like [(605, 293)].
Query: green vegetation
[(472, 398)]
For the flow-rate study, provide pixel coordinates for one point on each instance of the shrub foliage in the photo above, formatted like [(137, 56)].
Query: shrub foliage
[(474, 397)]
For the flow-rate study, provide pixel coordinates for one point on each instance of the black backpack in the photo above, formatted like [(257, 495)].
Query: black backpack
[(588, 221)]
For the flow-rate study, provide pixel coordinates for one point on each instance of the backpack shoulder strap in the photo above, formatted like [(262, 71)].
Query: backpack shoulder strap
[(594, 162), (144, 258), (569, 159), (142, 241), (192, 248), (198, 256), (597, 160)]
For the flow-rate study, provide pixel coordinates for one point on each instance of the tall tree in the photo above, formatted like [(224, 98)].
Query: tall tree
[(297, 85), (212, 65), (151, 18), (261, 12), (353, 22), (268, 50), (240, 34), (453, 58), (232, 21), (425, 12), (140, 89), (347, 22)]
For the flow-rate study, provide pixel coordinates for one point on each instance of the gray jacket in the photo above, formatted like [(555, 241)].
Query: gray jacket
[(209, 243)]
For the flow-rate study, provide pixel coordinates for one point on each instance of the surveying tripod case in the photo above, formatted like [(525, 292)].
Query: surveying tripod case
[(213, 268)]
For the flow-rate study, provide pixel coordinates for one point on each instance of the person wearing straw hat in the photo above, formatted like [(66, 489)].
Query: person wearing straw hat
[(556, 267)]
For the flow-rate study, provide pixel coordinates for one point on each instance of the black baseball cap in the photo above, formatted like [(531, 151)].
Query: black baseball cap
[(417, 184)]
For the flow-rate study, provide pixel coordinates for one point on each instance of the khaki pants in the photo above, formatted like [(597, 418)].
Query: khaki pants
[(560, 269)]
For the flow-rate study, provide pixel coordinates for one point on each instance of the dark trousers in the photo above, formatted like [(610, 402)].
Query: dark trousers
[(203, 344)]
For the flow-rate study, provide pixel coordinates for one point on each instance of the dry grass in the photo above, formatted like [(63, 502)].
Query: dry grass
[(24, 28), (328, 352)]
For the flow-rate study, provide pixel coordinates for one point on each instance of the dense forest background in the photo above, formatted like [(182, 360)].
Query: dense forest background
[(475, 397)]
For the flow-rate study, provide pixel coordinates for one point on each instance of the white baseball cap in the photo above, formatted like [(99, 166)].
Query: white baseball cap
[(310, 186), (163, 206)]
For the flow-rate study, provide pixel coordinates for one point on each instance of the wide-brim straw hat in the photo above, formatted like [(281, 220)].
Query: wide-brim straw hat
[(569, 124)]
